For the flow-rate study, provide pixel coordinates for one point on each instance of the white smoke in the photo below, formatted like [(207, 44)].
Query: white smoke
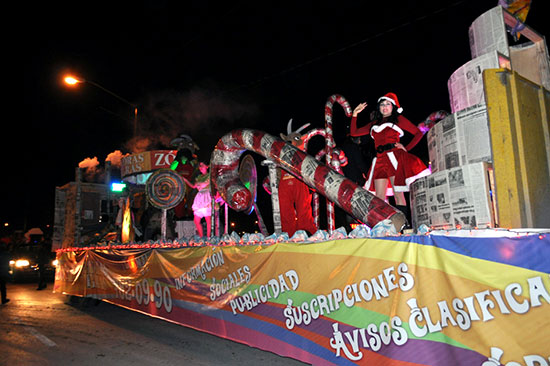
[(115, 158)]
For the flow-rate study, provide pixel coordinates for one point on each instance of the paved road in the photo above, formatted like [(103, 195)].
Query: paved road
[(43, 328)]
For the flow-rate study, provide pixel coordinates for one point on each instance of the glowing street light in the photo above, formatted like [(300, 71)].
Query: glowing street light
[(71, 80), (74, 80)]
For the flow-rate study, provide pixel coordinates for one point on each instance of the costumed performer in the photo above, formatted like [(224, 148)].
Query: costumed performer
[(392, 163), (294, 195), (202, 204), (185, 164)]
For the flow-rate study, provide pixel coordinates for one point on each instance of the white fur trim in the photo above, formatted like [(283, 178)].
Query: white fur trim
[(386, 98), (393, 159), (389, 192), (393, 126), (369, 181), (399, 110), (409, 180)]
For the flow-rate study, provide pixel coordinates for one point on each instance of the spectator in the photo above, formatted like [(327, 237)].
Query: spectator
[(43, 259), (4, 268)]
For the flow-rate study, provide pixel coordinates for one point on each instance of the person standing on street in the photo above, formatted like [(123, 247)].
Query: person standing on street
[(43, 258), (4, 268)]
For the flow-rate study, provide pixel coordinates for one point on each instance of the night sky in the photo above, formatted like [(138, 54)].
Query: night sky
[(205, 68)]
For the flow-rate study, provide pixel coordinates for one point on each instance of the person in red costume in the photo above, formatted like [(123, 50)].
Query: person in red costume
[(295, 202), (393, 163), (294, 195)]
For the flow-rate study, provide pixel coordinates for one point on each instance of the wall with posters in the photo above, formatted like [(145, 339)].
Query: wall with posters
[(407, 300)]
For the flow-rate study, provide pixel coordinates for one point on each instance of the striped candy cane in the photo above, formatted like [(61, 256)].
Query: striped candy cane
[(306, 138), (353, 199), (331, 145), (315, 199)]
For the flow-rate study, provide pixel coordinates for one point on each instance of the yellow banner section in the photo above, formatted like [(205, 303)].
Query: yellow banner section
[(352, 300)]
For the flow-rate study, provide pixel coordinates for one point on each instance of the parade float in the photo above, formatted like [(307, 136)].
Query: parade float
[(469, 285)]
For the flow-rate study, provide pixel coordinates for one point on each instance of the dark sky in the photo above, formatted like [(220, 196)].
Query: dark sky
[(205, 68)]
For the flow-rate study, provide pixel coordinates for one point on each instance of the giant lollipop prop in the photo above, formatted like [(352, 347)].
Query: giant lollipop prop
[(165, 189)]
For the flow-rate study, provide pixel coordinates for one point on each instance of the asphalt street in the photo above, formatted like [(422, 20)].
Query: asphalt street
[(46, 328)]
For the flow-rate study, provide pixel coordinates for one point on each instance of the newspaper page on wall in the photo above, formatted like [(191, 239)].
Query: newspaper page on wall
[(466, 84), (531, 61), (459, 139), (454, 198), (488, 33)]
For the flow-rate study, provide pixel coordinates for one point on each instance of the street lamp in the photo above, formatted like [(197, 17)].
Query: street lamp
[(73, 80)]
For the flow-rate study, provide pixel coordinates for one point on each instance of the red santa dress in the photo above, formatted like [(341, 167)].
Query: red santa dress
[(391, 161)]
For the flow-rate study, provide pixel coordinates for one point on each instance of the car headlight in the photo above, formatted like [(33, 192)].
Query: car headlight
[(21, 263), (55, 262)]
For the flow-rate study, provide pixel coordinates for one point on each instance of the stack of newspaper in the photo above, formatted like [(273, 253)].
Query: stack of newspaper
[(458, 193), (490, 49), (459, 198)]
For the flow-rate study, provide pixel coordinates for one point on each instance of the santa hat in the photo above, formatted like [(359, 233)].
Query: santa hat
[(393, 99)]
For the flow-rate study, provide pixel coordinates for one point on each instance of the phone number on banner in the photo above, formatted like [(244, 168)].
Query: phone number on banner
[(141, 292)]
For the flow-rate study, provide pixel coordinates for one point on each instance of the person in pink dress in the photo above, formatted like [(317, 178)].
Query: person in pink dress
[(202, 204), (393, 163)]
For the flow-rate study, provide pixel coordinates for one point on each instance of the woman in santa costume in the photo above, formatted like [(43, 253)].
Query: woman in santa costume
[(392, 163)]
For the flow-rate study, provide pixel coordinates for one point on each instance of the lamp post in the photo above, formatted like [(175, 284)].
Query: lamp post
[(73, 80)]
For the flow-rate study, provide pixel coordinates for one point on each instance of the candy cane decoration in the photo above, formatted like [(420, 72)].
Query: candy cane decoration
[(274, 187), (313, 133), (330, 146), (353, 199), (306, 138), (318, 156)]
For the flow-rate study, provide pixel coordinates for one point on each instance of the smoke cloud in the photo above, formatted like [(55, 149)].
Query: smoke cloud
[(115, 158), (91, 168), (94, 172), (203, 113)]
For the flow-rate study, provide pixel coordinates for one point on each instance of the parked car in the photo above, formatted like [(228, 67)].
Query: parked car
[(24, 262)]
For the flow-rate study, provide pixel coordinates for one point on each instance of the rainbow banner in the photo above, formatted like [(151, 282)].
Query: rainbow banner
[(408, 300)]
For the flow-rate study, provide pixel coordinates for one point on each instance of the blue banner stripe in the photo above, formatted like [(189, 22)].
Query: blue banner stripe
[(529, 252)]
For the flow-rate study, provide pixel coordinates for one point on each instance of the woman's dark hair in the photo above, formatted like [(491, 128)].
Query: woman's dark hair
[(377, 116)]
